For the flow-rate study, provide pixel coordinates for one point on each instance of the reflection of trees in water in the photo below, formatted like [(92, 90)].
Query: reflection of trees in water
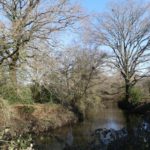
[(69, 137), (78, 137), (138, 137), (135, 136)]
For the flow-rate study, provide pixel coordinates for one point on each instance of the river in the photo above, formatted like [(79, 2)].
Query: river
[(110, 117)]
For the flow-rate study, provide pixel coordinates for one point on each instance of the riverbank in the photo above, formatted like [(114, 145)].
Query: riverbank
[(140, 108), (36, 118)]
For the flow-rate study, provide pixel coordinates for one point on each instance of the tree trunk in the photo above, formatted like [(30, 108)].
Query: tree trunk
[(13, 71), (3, 78), (77, 111), (127, 90), (13, 74)]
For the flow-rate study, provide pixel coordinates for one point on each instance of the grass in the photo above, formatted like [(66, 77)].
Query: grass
[(5, 112), (21, 95)]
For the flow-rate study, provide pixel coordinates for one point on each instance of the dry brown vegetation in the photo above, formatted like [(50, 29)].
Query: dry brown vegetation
[(36, 118)]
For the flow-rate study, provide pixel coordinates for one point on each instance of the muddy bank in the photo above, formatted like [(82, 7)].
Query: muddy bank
[(38, 118)]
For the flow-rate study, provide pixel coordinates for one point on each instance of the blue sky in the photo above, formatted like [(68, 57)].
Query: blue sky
[(91, 6), (99, 5), (94, 5)]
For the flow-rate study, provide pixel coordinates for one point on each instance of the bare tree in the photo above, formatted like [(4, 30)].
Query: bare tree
[(73, 77), (125, 29), (24, 21)]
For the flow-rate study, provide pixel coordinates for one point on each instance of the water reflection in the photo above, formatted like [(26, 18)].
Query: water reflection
[(110, 117), (136, 134)]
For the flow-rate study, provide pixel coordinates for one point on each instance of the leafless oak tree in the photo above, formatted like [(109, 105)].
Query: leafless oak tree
[(125, 29), (24, 21)]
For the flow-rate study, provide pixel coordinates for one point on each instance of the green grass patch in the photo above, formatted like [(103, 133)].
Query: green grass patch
[(12, 95)]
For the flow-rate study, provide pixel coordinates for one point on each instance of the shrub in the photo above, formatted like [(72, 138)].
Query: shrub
[(21, 142), (40, 94), (135, 95), (22, 94), (35, 92)]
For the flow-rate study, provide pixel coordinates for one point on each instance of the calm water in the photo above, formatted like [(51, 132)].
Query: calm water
[(110, 117), (79, 134)]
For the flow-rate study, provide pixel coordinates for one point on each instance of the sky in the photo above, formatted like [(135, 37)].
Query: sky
[(99, 5), (90, 6), (94, 5)]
